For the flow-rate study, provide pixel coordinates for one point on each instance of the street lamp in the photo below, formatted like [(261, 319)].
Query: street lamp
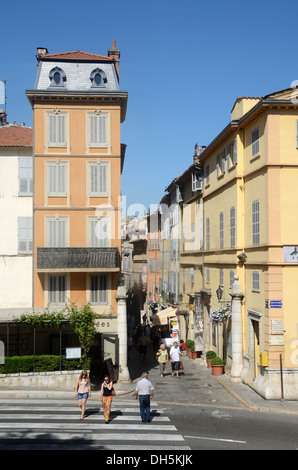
[(219, 293)]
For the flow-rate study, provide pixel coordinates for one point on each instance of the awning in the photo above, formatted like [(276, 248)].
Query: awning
[(161, 318)]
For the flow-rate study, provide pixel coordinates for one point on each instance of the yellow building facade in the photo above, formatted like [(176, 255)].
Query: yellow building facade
[(78, 109), (247, 205)]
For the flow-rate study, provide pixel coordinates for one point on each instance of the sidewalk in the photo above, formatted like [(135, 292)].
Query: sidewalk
[(196, 387)]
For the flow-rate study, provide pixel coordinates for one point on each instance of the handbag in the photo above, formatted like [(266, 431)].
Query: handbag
[(113, 392), (181, 365)]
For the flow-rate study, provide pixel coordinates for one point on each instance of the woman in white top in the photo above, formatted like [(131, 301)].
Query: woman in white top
[(83, 391)]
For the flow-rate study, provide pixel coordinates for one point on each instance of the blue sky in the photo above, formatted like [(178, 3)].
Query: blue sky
[(183, 65)]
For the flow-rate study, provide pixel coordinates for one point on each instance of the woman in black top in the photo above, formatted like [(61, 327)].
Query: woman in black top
[(107, 393)]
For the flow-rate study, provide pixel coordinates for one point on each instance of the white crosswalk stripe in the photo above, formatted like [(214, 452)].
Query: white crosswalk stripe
[(55, 424)]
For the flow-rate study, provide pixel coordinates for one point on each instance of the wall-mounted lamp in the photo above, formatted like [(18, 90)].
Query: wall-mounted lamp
[(242, 257), (219, 293)]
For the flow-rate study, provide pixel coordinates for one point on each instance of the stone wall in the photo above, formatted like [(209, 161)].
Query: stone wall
[(64, 380)]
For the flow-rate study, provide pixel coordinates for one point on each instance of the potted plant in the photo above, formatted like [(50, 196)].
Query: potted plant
[(194, 353), (210, 355), (217, 366), (188, 345)]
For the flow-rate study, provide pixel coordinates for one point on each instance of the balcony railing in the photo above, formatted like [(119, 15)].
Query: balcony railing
[(78, 260)]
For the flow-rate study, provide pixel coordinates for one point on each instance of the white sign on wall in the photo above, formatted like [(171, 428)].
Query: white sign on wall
[(290, 254)]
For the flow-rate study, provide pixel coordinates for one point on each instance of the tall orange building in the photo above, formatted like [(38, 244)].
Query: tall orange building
[(78, 108)]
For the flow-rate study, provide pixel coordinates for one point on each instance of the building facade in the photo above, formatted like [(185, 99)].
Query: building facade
[(16, 240), (78, 109)]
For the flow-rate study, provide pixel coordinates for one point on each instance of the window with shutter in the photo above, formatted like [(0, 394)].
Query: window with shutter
[(57, 179), (207, 233), (98, 130), (255, 281), (232, 227), (98, 289), (25, 240), (98, 179), (57, 232), (235, 152), (221, 230), (223, 161), (256, 223), (57, 290), (25, 176), (57, 130), (228, 156), (255, 142), (99, 233)]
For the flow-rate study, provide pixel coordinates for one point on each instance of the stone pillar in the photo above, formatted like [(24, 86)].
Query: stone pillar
[(237, 340), (199, 323), (122, 334)]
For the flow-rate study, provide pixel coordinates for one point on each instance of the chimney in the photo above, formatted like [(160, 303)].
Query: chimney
[(198, 151), (196, 157), (114, 53), (41, 51)]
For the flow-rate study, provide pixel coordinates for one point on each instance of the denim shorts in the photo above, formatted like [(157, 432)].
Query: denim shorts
[(83, 396)]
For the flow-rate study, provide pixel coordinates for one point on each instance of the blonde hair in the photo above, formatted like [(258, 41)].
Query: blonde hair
[(84, 372)]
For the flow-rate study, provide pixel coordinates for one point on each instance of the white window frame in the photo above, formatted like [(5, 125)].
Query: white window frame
[(25, 176), (98, 129), (255, 223), (25, 235), (255, 142), (57, 179), (57, 296), (57, 130), (99, 177), (99, 289)]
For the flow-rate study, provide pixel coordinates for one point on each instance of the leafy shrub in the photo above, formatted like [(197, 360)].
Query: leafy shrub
[(216, 361), (210, 354), (189, 343), (44, 363)]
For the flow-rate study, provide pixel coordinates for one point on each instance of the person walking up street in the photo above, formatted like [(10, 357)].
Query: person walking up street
[(83, 391), (106, 393), (163, 358), (175, 358), (145, 392)]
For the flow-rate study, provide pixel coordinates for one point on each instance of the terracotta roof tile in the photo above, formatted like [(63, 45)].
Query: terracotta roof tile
[(14, 135), (75, 55)]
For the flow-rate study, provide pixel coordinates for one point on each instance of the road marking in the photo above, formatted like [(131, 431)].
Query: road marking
[(215, 439)]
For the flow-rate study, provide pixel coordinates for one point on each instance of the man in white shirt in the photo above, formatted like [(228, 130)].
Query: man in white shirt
[(175, 358), (144, 390)]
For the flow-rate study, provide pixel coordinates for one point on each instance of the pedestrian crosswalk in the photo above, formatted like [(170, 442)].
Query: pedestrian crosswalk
[(46, 424)]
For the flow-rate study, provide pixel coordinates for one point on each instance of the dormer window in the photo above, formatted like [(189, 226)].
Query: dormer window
[(57, 77), (98, 78)]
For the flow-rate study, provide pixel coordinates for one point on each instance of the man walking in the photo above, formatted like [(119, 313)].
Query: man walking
[(144, 390), (175, 358)]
